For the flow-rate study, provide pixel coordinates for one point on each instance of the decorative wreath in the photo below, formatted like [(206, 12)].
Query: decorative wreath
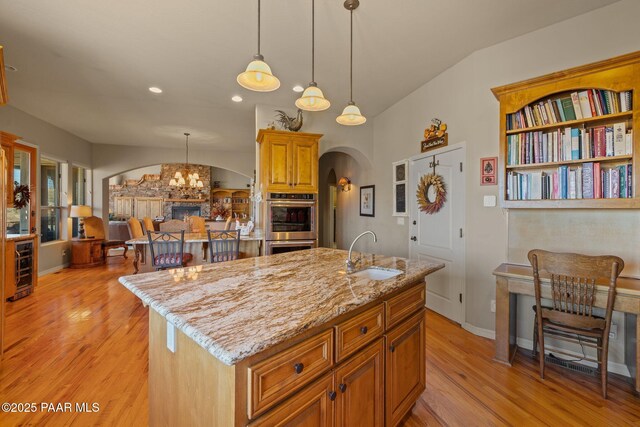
[(426, 182), (21, 195)]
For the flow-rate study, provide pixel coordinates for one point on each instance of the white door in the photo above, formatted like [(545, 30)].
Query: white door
[(439, 237)]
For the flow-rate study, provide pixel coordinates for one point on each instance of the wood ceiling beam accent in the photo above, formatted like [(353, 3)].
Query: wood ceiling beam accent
[(4, 96)]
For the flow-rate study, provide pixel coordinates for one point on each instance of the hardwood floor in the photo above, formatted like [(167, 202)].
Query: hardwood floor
[(82, 337)]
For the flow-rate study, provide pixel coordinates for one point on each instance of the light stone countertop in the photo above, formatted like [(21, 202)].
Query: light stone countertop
[(237, 309)]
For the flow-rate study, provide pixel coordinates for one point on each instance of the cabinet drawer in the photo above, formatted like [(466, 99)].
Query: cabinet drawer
[(402, 306), (355, 333), (277, 377)]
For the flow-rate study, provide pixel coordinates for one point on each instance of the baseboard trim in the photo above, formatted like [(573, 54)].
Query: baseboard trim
[(486, 333), (616, 368), (53, 269)]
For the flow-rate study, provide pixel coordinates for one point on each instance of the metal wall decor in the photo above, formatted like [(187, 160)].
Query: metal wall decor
[(435, 136)]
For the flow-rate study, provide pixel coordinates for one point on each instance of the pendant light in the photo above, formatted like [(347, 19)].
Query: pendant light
[(312, 98), (351, 115), (258, 76)]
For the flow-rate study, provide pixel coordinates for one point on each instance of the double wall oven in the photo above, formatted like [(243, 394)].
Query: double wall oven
[(290, 222)]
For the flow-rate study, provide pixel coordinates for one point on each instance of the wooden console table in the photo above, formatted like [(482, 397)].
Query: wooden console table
[(512, 279), (86, 253)]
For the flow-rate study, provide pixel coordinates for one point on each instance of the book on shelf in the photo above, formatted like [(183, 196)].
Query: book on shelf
[(569, 144), (571, 106), (588, 180)]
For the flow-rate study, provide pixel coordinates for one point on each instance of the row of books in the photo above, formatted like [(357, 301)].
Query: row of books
[(569, 144), (576, 106), (588, 181)]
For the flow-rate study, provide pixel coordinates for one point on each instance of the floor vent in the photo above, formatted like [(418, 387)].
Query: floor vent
[(573, 366)]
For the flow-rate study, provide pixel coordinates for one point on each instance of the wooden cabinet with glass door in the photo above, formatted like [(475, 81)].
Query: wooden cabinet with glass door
[(288, 161), (570, 139), (235, 201)]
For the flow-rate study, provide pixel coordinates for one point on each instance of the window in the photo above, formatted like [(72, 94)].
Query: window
[(79, 193), (50, 208)]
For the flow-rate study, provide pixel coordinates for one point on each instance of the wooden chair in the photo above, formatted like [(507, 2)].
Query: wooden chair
[(197, 224), (223, 245), (167, 250), (148, 224), (174, 225), (94, 227), (135, 228), (574, 279)]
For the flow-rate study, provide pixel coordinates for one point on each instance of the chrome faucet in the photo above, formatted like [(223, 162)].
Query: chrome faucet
[(351, 265)]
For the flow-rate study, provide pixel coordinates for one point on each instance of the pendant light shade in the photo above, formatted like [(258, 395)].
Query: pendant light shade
[(312, 98), (258, 76), (351, 115)]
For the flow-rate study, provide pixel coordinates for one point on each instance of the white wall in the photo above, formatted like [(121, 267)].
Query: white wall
[(461, 97), (230, 179), (57, 144)]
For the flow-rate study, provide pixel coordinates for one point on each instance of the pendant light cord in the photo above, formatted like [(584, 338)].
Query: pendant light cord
[(351, 64), (258, 27), (313, 39)]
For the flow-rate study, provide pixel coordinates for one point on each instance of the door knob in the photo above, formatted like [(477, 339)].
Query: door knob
[(414, 238), (298, 367), (343, 387), (332, 395), (364, 330)]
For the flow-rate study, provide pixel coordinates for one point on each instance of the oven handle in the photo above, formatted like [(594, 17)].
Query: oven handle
[(291, 242), (290, 203)]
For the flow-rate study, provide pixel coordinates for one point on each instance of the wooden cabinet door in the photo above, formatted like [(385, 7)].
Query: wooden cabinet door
[(311, 407), (305, 165), (278, 164), (155, 207), (405, 367), (360, 389)]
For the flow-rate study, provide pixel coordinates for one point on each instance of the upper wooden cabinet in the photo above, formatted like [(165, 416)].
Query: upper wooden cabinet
[(4, 97), (571, 139), (288, 161)]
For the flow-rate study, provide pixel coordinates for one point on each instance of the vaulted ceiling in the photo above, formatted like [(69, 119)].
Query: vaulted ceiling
[(87, 66)]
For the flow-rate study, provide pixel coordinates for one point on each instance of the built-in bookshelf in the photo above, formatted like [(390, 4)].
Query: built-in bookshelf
[(236, 201), (570, 139)]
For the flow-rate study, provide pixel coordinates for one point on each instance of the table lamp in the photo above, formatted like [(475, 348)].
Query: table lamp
[(81, 212)]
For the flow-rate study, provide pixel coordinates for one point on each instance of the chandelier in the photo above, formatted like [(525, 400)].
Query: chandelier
[(186, 180)]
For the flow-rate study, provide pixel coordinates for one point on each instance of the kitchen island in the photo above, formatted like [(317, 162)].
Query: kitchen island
[(286, 339)]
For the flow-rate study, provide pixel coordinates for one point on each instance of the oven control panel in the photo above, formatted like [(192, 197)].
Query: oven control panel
[(290, 196)]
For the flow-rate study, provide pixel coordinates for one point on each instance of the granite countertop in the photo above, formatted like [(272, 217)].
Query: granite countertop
[(195, 238), (240, 308)]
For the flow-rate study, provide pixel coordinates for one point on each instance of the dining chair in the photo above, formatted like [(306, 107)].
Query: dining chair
[(167, 250), (174, 225), (148, 224), (94, 227), (227, 225), (135, 228), (574, 280), (197, 224), (223, 245)]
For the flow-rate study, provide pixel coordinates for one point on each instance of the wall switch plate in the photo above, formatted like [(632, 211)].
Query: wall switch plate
[(171, 337), (613, 331), (489, 201), (493, 306), (400, 220)]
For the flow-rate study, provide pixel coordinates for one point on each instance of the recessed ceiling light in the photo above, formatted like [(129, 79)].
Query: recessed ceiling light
[(155, 89), (236, 98), (298, 88), (10, 67)]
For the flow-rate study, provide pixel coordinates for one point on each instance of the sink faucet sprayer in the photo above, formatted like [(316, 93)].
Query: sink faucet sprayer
[(351, 265)]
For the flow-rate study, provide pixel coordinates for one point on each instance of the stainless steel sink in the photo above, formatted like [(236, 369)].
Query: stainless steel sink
[(376, 273)]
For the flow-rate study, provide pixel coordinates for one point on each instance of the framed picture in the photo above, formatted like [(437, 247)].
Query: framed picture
[(400, 186), (368, 200), (488, 170)]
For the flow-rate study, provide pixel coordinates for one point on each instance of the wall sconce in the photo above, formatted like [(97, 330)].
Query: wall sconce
[(345, 183)]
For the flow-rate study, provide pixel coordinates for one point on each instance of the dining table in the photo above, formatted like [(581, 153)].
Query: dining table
[(196, 244)]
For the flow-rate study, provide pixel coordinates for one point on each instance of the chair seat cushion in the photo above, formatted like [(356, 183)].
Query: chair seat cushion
[(172, 259), (221, 257)]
